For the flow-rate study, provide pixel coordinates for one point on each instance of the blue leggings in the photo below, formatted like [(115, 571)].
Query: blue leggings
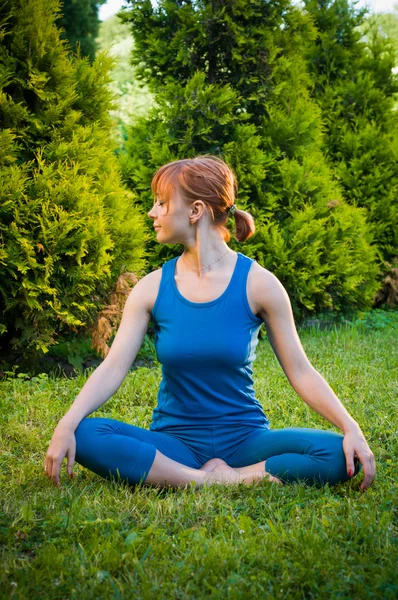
[(113, 448)]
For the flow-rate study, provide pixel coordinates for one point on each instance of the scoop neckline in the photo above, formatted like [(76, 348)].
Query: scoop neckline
[(210, 302)]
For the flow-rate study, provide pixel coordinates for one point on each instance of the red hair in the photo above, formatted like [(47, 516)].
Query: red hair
[(210, 179)]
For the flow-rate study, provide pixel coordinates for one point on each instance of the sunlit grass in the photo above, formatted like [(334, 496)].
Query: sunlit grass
[(99, 539)]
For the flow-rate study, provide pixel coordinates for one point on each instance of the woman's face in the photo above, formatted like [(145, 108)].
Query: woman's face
[(171, 223)]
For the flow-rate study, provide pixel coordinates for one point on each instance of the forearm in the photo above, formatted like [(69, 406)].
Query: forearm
[(317, 393), (99, 387)]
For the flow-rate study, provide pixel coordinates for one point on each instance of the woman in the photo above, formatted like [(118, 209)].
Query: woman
[(207, 306)]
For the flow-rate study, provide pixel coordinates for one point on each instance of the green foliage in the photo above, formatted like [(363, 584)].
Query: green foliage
[(80, 23), (68, 226), (377, 319), (132, 100), (147, 349), (75, 350), (352, 62), (217, 93)]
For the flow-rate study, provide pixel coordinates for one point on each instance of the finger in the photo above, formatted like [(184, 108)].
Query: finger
[(349, 456), (55, 472), (370, 472), (48, 467), (369, 469), (70, 463)]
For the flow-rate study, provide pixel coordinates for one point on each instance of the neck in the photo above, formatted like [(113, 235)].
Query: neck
[(206, 260)]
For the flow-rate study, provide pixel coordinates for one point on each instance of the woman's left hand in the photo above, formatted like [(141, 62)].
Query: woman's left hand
[(355, 445)]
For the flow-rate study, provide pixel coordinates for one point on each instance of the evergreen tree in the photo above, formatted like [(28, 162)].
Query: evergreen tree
[(68, 227), (230, 79), (80, 22), (352, 64)]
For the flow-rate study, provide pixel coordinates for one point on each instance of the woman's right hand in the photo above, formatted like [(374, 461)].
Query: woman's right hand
[(63, 443)]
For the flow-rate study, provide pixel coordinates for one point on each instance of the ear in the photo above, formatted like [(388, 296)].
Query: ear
[(197, 209)]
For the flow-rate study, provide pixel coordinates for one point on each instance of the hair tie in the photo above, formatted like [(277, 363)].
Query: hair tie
[(232, 209)]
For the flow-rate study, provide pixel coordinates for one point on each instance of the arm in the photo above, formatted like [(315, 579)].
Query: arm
[(110, 374), (276, 312), (318, 394), (306, 381), (104, 381)]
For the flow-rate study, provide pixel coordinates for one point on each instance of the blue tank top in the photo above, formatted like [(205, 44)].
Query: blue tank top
[(206, 350)]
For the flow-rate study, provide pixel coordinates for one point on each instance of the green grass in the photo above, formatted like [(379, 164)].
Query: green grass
[(100, 539)]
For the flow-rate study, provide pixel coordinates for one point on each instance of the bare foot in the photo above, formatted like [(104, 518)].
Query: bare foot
[(226, 475), (244, 472), (210, 464), (256, 468)]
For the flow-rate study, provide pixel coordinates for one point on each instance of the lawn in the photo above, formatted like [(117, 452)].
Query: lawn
[(99, 539)]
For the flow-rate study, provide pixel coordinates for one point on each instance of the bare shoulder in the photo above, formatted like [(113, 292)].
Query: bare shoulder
[(264, 289), (274, 307), (147, 289)]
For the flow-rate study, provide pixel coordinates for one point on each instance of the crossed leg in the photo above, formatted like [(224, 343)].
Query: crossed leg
[(315, 456), (110, 447), (113, 448)]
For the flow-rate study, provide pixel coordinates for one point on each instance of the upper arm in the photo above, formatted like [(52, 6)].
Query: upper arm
[(277, 314), (133, 326)]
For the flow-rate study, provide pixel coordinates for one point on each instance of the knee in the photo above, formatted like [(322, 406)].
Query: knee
[(84, 434), (91, 428), (96, 426), (87, 427), (338, 461)]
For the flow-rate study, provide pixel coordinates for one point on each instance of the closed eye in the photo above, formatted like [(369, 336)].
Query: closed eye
[(160, 203)]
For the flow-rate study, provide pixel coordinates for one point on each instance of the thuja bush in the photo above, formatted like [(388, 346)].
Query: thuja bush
[(352, 65), (231, 79), (68, 226)]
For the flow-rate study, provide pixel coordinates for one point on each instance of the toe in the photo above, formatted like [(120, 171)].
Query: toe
[(212, 463)]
